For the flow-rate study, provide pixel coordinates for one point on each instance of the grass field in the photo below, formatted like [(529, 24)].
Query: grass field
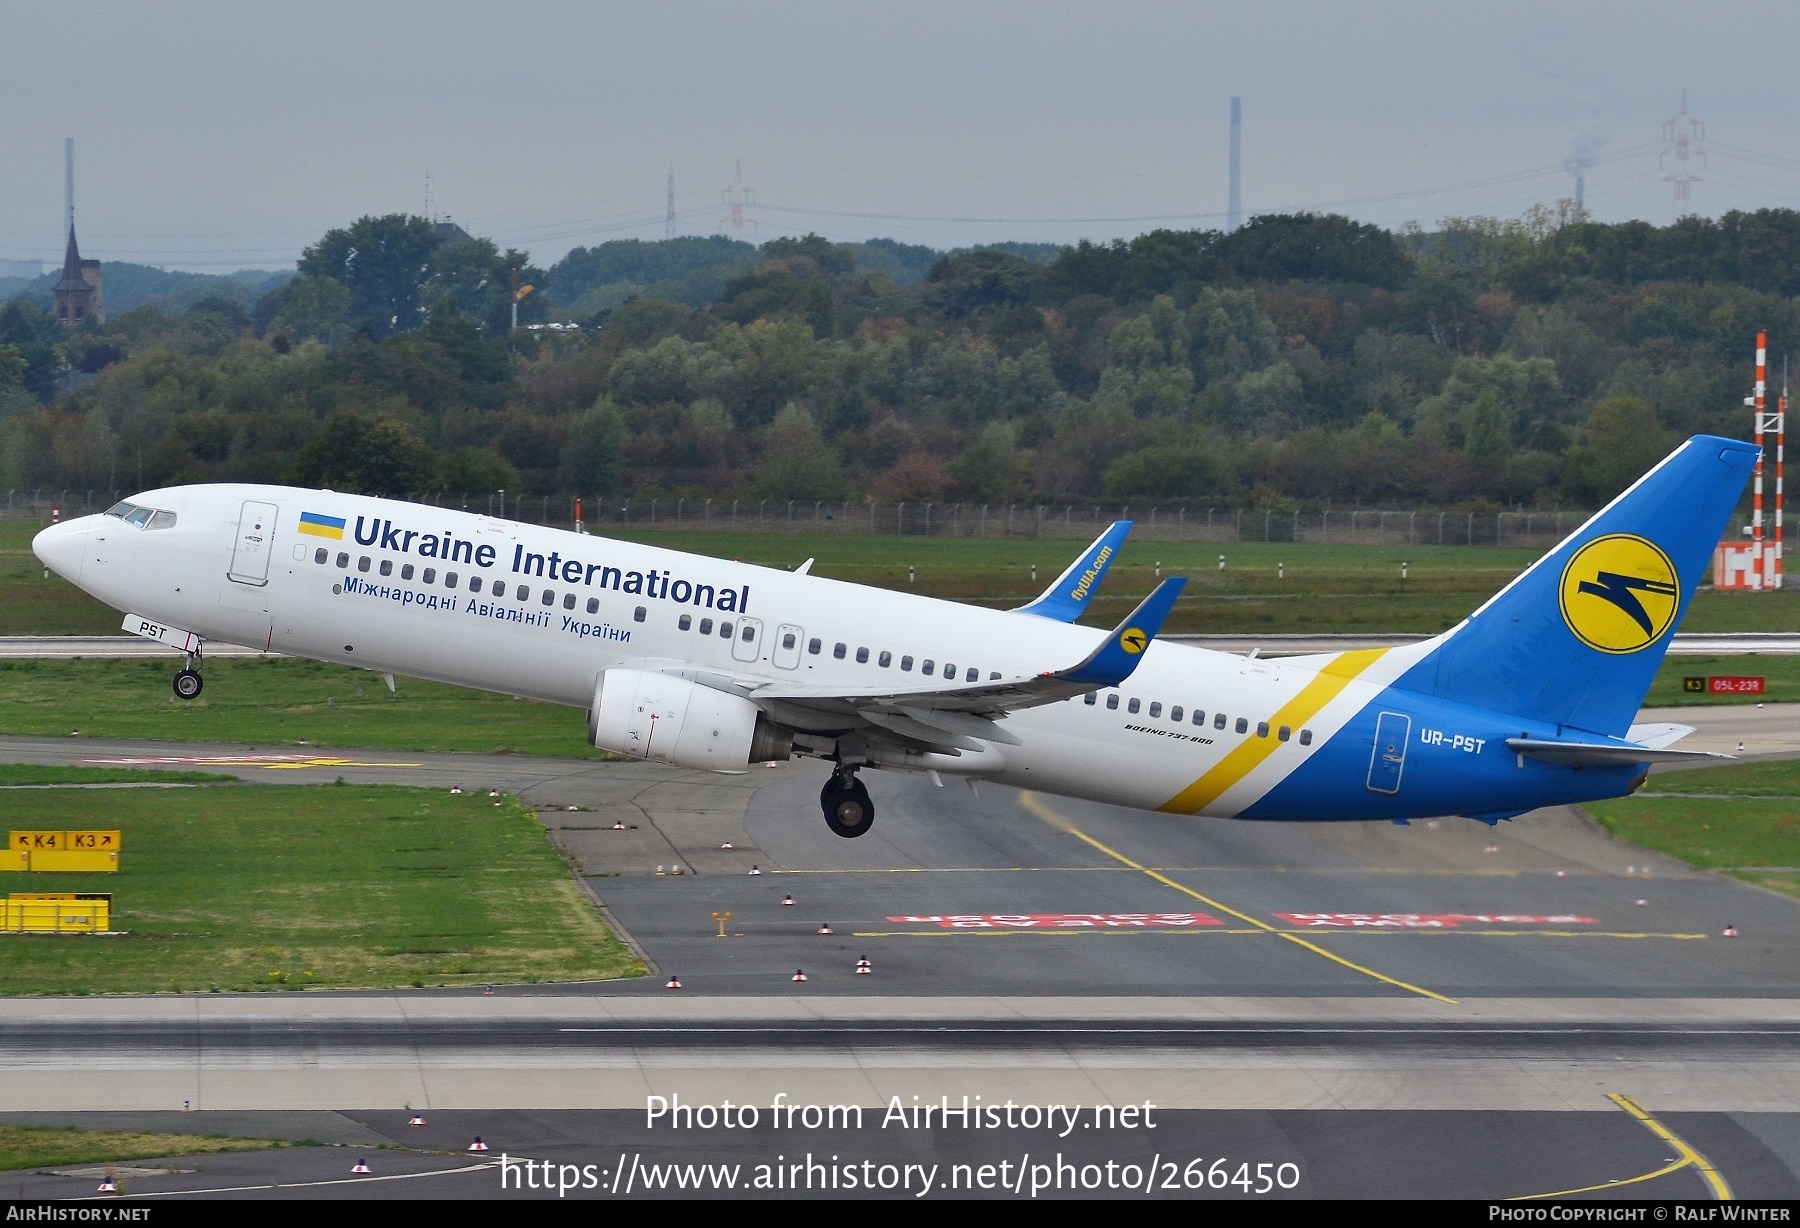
[(1744, 820), (36, 1147), (280, 701), (1265, 588), (238, 887)]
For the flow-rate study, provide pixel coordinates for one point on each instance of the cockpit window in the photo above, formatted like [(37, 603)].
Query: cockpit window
[(142, 517)]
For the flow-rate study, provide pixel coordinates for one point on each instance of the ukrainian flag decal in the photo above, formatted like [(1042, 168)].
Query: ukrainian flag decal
[(322, 526)]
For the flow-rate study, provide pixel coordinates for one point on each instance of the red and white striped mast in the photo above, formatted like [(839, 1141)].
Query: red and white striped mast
[(1757, 564), (1780, 463)]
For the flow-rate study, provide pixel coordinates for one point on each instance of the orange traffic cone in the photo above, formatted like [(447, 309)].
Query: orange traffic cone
[(799, 975)]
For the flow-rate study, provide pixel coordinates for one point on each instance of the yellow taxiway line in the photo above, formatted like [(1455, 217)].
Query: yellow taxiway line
[(1688, 1157), (1030, 802)]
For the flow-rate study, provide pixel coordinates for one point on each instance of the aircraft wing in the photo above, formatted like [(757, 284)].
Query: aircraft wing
[(1068, 595), (951, 714)]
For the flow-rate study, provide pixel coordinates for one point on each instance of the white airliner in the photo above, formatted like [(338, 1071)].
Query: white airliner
[(710, 664)]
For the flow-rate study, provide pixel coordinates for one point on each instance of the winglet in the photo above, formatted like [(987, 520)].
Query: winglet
[(1068, 595), (1116, 658)]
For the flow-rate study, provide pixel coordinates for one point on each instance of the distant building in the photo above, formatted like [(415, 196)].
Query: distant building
[(78, 294), (450, 232), (21, 268)]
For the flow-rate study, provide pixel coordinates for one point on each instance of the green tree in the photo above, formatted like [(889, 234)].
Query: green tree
[(368, 455), (475, 471), (1620, 441), (797, 463), (1163, 473), (385, 263), (593, 459), (312, 309)]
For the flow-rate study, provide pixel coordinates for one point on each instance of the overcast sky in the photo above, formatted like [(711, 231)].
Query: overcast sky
[(219, 136)]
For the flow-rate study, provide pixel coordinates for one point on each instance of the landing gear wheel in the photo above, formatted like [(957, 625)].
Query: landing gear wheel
[(188, 683), (848, 811)]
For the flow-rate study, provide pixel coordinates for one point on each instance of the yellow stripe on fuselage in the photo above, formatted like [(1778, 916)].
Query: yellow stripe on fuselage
[(320, 530), (1249, 753)]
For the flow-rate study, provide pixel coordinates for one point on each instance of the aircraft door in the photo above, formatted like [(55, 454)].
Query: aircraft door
[(786, 654), (1392, 729), (747, 643), (255, 543)]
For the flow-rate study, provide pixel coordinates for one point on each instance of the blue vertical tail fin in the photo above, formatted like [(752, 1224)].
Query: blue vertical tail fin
[(1577, 638)]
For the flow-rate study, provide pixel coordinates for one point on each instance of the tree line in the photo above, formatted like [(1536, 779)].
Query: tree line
[(1299, 360)]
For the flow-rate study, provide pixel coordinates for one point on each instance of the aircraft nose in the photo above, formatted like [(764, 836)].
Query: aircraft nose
[(62, 547)]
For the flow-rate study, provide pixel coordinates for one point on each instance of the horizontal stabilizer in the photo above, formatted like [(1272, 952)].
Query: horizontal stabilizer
[(1068, 595), (1603, 754)]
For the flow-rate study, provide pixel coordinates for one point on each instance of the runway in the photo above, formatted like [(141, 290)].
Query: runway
[(1314, 987)]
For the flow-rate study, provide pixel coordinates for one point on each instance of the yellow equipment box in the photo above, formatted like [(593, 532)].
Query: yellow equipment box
[(79, 851), (51, 913)]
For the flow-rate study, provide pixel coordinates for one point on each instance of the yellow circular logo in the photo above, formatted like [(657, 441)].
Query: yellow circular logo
[(1133, 641), (1619, 593)]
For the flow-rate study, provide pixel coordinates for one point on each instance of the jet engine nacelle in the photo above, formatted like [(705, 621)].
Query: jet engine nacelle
[(667, 719)]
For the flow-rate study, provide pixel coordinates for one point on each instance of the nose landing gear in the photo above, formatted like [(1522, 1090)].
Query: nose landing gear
[(188, 681), (845, 800)]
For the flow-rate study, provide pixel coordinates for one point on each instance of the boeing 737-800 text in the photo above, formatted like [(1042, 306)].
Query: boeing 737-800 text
[(710, 664)]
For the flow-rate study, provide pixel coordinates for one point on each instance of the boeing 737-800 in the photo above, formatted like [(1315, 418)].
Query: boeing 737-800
[(719, 665)]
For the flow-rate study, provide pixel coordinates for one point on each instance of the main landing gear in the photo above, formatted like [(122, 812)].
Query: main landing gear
[(188, 682), (848, 810)]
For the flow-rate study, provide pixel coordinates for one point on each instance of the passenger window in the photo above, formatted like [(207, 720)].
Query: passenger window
[(549, 597), (1112, 701), (1155, 709), (974, 675), (788, 641), (1090, 699), (593, 605), (362, 564), (321, 554), (724, 630), (1218, 720), (450, 581), (862, 656), (813, 645), (343, 560), (406, 572), (994, 677), (387, 567), (1199, 717), (429, 576), (925, 667), (1262, 729), (906, 664), (1243, 726), (1284, 733), (637, 615), (748, 635), (474, 583), (685, 621), (568, 601), (838, 650), (1175, 714), (1306, 737), (1132, 707), (522, 592), (706, 626), (949, 672), (885, 659)]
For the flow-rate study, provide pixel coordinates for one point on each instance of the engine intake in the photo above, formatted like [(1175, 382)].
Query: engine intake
[(667, 719)]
